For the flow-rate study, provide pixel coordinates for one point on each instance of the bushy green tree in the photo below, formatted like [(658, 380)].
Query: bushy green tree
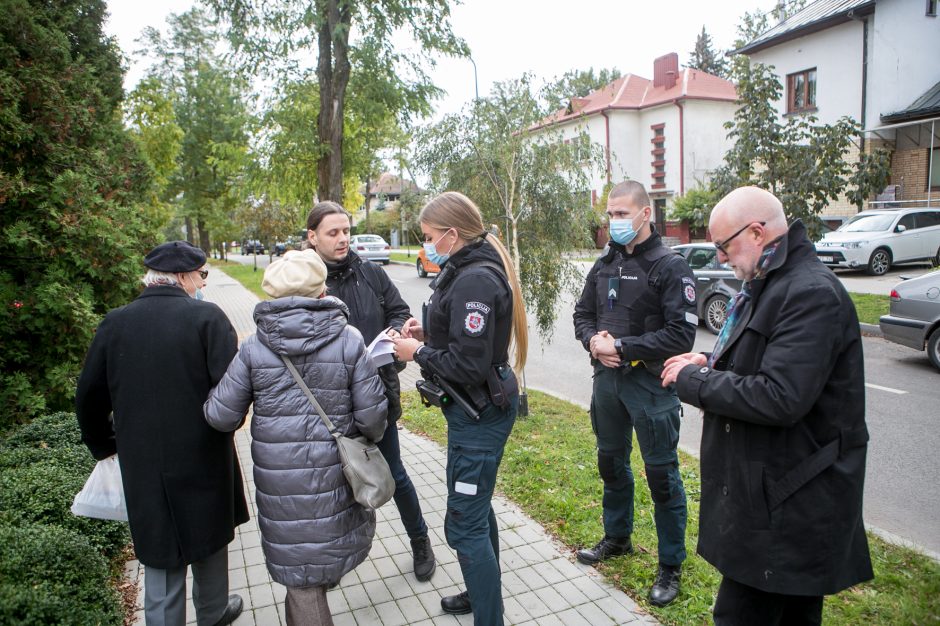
[(209, 102), (800, 161), (73, 226), (694, 206), (576, 84), (535, 188), (704, 57), (342, 35)]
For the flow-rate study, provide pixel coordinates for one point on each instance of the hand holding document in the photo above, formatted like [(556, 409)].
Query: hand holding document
[(382, 348)]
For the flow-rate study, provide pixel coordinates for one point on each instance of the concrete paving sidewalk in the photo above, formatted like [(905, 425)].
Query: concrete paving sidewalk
[(542, 582)]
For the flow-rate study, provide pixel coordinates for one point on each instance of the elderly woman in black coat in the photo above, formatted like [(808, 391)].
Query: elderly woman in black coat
[(152, 363)]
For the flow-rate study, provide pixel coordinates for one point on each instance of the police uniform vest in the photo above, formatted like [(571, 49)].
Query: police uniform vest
[(627, 291)]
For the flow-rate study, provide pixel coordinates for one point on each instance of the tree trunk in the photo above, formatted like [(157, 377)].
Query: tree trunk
[(332, 76), (203, 235), (189, 229)]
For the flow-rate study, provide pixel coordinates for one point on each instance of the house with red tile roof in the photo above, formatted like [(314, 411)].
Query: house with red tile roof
[(380, 192), (667, 133)]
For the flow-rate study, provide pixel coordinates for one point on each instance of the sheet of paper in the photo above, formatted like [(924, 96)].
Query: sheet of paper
[(382, 349)]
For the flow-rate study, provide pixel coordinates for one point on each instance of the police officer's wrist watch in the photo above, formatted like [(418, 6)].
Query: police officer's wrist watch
[(618, 345)]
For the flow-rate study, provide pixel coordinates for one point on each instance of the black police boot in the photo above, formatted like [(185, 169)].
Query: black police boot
[(606, 548), (456, 605), (666, 587), (424, 562)]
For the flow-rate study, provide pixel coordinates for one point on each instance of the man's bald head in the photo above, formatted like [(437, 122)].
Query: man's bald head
[(742, 224), (750, 204)]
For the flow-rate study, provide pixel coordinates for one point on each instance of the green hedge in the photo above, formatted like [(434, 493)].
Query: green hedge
[(52, 575), (54, 566)]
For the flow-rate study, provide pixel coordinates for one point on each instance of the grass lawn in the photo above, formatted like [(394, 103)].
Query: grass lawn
[(550, 470), (404, 256), (870, 306), (245, 274)]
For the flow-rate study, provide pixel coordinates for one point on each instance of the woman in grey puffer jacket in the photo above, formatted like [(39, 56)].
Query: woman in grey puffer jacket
[(312, 530)]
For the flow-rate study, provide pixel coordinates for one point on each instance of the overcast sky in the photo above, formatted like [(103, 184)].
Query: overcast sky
[(510, 37)]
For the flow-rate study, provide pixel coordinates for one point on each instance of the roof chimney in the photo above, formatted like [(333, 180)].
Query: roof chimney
[(666, 70)]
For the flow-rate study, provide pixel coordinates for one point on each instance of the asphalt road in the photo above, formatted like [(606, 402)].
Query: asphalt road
[(902, 491)]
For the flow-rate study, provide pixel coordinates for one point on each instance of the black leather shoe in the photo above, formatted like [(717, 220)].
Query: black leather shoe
[(456, 605), (424, 562), (232, 610), (666, 587), (606, 548)]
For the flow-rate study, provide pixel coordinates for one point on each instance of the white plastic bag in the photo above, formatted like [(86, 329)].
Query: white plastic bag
[(102, 496)]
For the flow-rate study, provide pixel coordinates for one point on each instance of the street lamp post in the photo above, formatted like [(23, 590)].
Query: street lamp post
[(476, 88)]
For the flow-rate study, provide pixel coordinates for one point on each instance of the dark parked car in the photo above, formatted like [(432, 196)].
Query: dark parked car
[(252, 246), (280, 248), (914, 315), (714, 283)]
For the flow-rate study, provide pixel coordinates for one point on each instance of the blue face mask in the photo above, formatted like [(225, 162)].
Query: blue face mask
[(622, 232), (430, 250)]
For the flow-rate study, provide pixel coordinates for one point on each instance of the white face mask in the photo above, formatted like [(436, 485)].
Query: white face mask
[(198, 295)]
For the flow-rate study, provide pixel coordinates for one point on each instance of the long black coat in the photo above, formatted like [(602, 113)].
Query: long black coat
[(153, 363), (780, 510)]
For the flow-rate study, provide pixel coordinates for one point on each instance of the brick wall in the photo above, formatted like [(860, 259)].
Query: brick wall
[(909, 169)]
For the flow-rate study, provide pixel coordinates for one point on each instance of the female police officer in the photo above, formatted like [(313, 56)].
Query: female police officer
[(474, 314), (374, 304)]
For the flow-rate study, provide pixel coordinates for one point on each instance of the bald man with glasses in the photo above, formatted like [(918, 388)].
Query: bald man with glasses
[(784, 439)]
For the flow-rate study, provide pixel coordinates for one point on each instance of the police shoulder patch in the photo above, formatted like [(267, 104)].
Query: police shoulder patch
[(474, 323), (688, 290), (478, 306)]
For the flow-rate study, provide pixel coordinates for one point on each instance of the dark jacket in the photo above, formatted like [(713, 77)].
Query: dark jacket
[(312, 530), (654, 313), (153, 363), (784, 436), (469, 317), (374, 304)]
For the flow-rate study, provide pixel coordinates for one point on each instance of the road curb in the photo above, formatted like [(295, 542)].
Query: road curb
[(871, 330)]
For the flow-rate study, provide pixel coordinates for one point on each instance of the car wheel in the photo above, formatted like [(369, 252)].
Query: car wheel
[(933, 348), (421, 271), (716, 313), (936, 259), (880, 262)]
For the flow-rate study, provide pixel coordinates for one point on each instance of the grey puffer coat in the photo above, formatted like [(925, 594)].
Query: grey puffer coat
[(312, 531)]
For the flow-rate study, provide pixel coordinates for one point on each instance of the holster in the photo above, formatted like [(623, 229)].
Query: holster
[(431, 394), (502, 384)]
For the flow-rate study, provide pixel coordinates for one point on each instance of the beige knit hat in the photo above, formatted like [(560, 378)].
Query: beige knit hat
[(297, 273)]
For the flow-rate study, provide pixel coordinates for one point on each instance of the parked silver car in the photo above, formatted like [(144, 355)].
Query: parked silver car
[(714, 283), (914, 315), (371, 247)]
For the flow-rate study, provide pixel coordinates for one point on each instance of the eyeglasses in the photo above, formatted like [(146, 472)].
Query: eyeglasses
[(720, 246), (203, 273)]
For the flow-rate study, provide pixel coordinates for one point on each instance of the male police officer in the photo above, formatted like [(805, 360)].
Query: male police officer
[(636, 310)]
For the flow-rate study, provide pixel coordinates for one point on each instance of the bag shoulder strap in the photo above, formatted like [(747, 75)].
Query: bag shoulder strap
[(371, 280), (309, 394)]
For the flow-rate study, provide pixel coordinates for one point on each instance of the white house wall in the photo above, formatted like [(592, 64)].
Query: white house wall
[(836, 53), (706, 138), (904, 53)]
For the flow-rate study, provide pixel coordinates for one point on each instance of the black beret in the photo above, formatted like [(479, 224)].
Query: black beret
[(174, 257)]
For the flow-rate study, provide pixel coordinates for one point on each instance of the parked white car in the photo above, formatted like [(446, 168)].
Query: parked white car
[(877, 239)]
